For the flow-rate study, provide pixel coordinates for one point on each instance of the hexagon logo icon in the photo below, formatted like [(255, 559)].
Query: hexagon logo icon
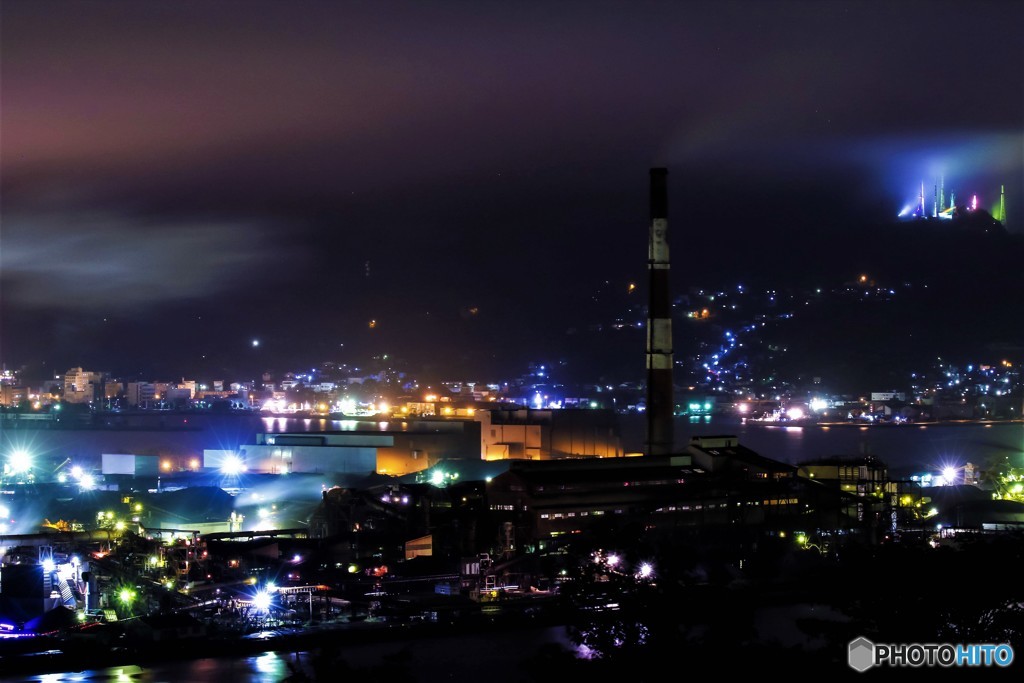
[(861, 654)]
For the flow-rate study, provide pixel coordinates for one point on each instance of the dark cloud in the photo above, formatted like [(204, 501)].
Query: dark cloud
[(116, 263), (474, 154)]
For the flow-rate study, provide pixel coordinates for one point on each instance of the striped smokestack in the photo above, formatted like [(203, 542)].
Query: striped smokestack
[(660, 397)]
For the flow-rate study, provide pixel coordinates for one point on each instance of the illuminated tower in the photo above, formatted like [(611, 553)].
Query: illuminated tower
[(935, 203), (942, 193), (920, 202), (1002, 205), (660, 396)]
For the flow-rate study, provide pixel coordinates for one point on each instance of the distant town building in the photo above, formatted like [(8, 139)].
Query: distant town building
[(140, 393), (112, 388), (80, 386), (11, 395)]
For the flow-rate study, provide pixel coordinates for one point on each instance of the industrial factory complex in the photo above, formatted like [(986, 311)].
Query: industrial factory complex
[(141, 527)]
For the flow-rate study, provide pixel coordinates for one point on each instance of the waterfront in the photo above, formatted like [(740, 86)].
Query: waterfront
[(503, 655), (905, 448)]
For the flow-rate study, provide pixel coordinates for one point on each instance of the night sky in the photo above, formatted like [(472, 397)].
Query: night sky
[(181, 178)]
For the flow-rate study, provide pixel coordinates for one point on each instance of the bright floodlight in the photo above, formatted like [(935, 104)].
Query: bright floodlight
[(646, 570), (232, 466), (437, 478), (818, 405), (261, 601), (612, 560), (795, 413), (87, 482), (49, 565), (949, 474), (77, 472), (20, 461)]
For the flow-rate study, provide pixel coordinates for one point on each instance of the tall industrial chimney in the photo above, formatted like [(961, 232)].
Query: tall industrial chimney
[(660, 396)]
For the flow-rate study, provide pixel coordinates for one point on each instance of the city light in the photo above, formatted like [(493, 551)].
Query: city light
[(646, 570), (126, 596), (20, 461), (437, 478), (261, 601), (232, 466), (49, 565)]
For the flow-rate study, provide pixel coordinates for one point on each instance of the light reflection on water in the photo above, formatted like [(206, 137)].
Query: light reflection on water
[(907, 448), (459, 657)]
